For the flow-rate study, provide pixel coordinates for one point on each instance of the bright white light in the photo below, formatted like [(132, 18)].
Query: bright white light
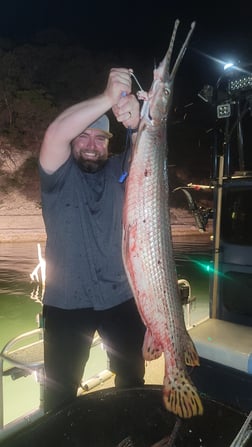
[(42, 266), (228, 65), (225, 64), (214, 59)]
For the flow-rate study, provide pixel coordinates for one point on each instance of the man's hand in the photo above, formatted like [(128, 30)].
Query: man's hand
[(125, 105), (127, 111), (119, 84)]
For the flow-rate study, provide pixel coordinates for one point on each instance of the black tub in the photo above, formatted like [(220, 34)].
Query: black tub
[(104, 418)]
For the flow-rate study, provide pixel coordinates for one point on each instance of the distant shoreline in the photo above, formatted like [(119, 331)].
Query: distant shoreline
[(21, 221), (30, 227)]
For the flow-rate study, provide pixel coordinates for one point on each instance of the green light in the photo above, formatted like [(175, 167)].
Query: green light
[(208, 267), (205, 266)]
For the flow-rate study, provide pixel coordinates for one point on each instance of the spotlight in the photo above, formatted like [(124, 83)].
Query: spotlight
[(228, 65), (242, 83), (223, 110)]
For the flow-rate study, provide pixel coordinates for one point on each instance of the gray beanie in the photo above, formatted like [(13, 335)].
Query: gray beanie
[(101, 124)]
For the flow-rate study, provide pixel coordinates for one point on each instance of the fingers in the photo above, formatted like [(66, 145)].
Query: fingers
[(127, 111), (119, 84), (125, 105)]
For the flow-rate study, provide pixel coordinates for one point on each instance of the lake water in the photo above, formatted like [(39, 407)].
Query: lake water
[(20, 304), (20, 297)]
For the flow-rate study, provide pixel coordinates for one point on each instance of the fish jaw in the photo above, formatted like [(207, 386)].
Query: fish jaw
[(155, 109)]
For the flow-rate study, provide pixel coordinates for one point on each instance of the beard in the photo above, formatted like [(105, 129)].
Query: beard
[(89, 165)]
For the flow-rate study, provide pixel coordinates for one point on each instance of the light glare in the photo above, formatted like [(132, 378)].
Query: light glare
[(228, 65)]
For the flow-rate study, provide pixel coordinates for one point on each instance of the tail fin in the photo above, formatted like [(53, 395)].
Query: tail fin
[(180, 395)]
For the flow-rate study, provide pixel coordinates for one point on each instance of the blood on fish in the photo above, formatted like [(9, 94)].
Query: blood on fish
[(147, 246)]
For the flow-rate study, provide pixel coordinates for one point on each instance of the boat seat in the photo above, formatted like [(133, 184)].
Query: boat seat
[(226, 343)]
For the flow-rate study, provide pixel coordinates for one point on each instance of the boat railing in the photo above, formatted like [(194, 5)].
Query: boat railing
[(24, 355)]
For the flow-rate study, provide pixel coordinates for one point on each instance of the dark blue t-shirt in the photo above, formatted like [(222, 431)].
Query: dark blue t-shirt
[(83, 219)]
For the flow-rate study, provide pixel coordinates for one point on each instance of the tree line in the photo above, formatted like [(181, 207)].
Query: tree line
[(40, 78)]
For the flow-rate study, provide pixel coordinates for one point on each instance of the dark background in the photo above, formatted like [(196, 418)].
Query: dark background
[(136, 34)]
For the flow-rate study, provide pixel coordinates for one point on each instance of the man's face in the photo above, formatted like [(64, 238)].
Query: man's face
[(90, 150)]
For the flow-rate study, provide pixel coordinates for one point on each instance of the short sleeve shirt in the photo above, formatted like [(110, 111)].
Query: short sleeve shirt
[(83, 220)]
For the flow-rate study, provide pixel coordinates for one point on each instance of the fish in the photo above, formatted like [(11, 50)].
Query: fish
[(147, 244)]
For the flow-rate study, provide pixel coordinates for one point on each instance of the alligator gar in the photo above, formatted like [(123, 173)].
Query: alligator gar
[(147, 244)]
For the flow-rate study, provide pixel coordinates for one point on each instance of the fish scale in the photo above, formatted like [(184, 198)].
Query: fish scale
[(147, 245)]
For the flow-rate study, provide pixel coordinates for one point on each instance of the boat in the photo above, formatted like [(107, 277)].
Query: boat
[(223, 339)]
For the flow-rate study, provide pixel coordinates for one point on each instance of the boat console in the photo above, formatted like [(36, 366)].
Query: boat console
[(224, 341)]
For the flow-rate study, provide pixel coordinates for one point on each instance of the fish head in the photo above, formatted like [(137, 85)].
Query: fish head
[(156, 108), (159, 101)]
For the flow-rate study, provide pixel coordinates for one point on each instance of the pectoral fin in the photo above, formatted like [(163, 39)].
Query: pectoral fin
[(151, 349)]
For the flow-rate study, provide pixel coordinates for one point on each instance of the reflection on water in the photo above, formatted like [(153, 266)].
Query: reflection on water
[(19, 256), (37, 293), (18, 312)]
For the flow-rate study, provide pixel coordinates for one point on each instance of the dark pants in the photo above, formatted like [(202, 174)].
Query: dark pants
[(67, 341)]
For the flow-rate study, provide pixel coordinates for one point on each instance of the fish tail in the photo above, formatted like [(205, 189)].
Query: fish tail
[(180, 395)]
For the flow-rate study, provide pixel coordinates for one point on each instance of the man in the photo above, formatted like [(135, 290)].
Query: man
[(86, 286)]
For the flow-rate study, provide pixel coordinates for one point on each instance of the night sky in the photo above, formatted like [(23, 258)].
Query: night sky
[(223, 27), (223, 32)]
